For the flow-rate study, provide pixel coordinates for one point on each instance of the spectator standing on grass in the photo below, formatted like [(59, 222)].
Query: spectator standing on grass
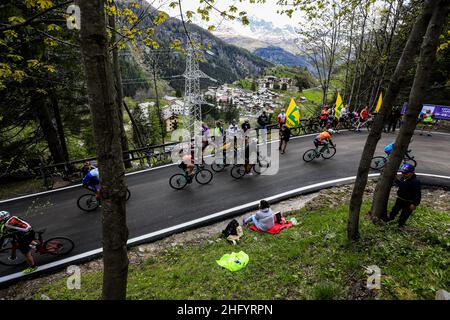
[(409, 194)]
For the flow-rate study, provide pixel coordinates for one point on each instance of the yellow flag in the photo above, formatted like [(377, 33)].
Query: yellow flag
[(380, 101), (339, 106), (292, 115)]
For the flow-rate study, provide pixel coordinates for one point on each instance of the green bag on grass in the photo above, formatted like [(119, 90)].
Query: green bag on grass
[(234, 261)]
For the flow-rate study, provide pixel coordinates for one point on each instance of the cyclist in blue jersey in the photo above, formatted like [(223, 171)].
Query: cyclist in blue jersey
[(92, 182), (388, 149)]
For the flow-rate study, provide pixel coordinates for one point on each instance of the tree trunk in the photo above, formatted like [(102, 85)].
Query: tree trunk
[(106, 124), (138, 133), (358, 57), (396, 81), (59, 126), (119, 90), (48, 129), (348, 59), (158, 109), (418, 90)]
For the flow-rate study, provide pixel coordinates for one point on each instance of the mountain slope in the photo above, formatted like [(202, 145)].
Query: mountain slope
[(280, 56), (225, 63)]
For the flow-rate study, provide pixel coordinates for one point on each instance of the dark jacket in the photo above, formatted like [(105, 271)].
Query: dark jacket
[(245, 126), (285, 134), (409, 189), (263, 120)]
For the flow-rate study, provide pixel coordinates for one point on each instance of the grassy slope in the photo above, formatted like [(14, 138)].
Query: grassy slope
[(310, 261)]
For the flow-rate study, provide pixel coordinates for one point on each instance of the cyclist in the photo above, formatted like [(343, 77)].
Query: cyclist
[(388, 149), (187, 164), (324, 138), (22, 235), (87, 166), (92, 182)]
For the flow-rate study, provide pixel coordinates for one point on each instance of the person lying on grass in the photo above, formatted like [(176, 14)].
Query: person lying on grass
[(264, 219)]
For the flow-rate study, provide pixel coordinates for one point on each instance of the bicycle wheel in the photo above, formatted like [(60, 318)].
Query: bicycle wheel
[(309, 155), (296, 131), (218, 167), (58, 246), (261, 166), (204, 176), (238, 171), (378, 163), (87, 202), (128, 195), (178, 181), (329, 153), (5, 254)]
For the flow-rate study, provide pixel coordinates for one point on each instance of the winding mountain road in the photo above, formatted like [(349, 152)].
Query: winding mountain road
[(154, 205)]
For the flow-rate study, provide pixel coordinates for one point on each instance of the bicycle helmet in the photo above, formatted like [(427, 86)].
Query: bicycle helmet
[(407, 167), (4, 215), (331, 131)]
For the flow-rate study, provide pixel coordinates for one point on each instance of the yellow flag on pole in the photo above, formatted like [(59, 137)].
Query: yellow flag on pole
[(292, 115), (339, 106), (379, 103)]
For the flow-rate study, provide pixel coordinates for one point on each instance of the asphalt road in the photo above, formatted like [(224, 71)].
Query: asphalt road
[(154, 205)]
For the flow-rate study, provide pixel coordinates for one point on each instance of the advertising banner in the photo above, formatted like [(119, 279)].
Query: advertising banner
[(438, 111)]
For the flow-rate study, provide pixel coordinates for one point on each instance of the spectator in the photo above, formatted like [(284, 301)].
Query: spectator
[(263, 121), (331, 120), (363, 117), (219, 131), (264, 219), (205, 135), (281, 119), (393, 119), (408, 194), (246, 125), (285, 134), (232, 131), (427, 121), (324, 116)]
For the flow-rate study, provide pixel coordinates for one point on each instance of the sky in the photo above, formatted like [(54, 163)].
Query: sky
[(265, 11)]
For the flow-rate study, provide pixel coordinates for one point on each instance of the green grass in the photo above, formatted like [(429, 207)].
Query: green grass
[(312, 260)]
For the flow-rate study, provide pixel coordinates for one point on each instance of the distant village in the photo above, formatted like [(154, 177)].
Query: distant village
[(249, 103)]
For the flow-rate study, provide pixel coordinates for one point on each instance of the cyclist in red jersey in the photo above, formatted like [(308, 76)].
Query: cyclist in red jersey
[(22, 236)]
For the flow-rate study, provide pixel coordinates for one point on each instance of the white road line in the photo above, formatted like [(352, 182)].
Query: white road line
[(248, 205), (128, 174)]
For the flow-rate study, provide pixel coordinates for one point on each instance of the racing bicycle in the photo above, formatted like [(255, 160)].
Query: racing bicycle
[(180, 180), (378, 163), (88, 202), (56, 246), (327, 152)]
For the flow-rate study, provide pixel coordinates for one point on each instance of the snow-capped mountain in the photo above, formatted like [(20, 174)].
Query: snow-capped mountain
[(258, 34)]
